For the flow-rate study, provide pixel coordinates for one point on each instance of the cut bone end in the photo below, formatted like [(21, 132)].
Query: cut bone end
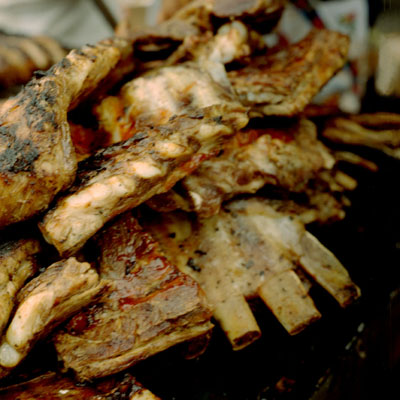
[(289, 301), (237, 321)]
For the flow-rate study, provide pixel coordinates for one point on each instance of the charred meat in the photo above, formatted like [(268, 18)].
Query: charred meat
[(37, 158)]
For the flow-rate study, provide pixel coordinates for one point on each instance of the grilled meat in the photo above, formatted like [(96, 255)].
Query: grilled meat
[(49, 299), (284, 82), (163, 149), (251, 249), (37, 158), (150, 306), (57, 387), (155, 98), (17, 264), (20, 56), (288, 157)]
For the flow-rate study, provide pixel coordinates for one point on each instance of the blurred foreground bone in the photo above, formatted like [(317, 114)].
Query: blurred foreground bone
[(20, 56)]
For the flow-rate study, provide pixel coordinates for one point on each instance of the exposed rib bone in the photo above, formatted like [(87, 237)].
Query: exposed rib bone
[(314, 258), (327, 270), (232, 258), (287, 298)]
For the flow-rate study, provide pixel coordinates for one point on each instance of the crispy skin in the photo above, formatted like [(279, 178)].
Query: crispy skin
[(150, 306), (284, 82), (17, 264), (49, 299), (126, 174), (20, 56), (288, 156), (252, 250), (37, 158), (58, 387)]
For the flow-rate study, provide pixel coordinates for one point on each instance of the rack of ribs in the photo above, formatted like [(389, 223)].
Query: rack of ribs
[(248, 250), (150, 306)]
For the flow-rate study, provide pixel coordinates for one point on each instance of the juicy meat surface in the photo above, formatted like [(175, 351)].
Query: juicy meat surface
[(37, 159), (150, 306), (128, 173), (17, 264), (57, 387), (284, 82), (288, 157), (47, 300), (249, 250)]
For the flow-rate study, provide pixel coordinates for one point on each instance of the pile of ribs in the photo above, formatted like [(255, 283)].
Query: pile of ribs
[(152, 184)]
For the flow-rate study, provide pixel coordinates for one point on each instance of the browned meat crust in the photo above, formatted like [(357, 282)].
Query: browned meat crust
[(37, 158), (17, 264), (150, 306), (284, 82), (20, 56), (57, 387), (288, 156), (124, 175), (49, 299)]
